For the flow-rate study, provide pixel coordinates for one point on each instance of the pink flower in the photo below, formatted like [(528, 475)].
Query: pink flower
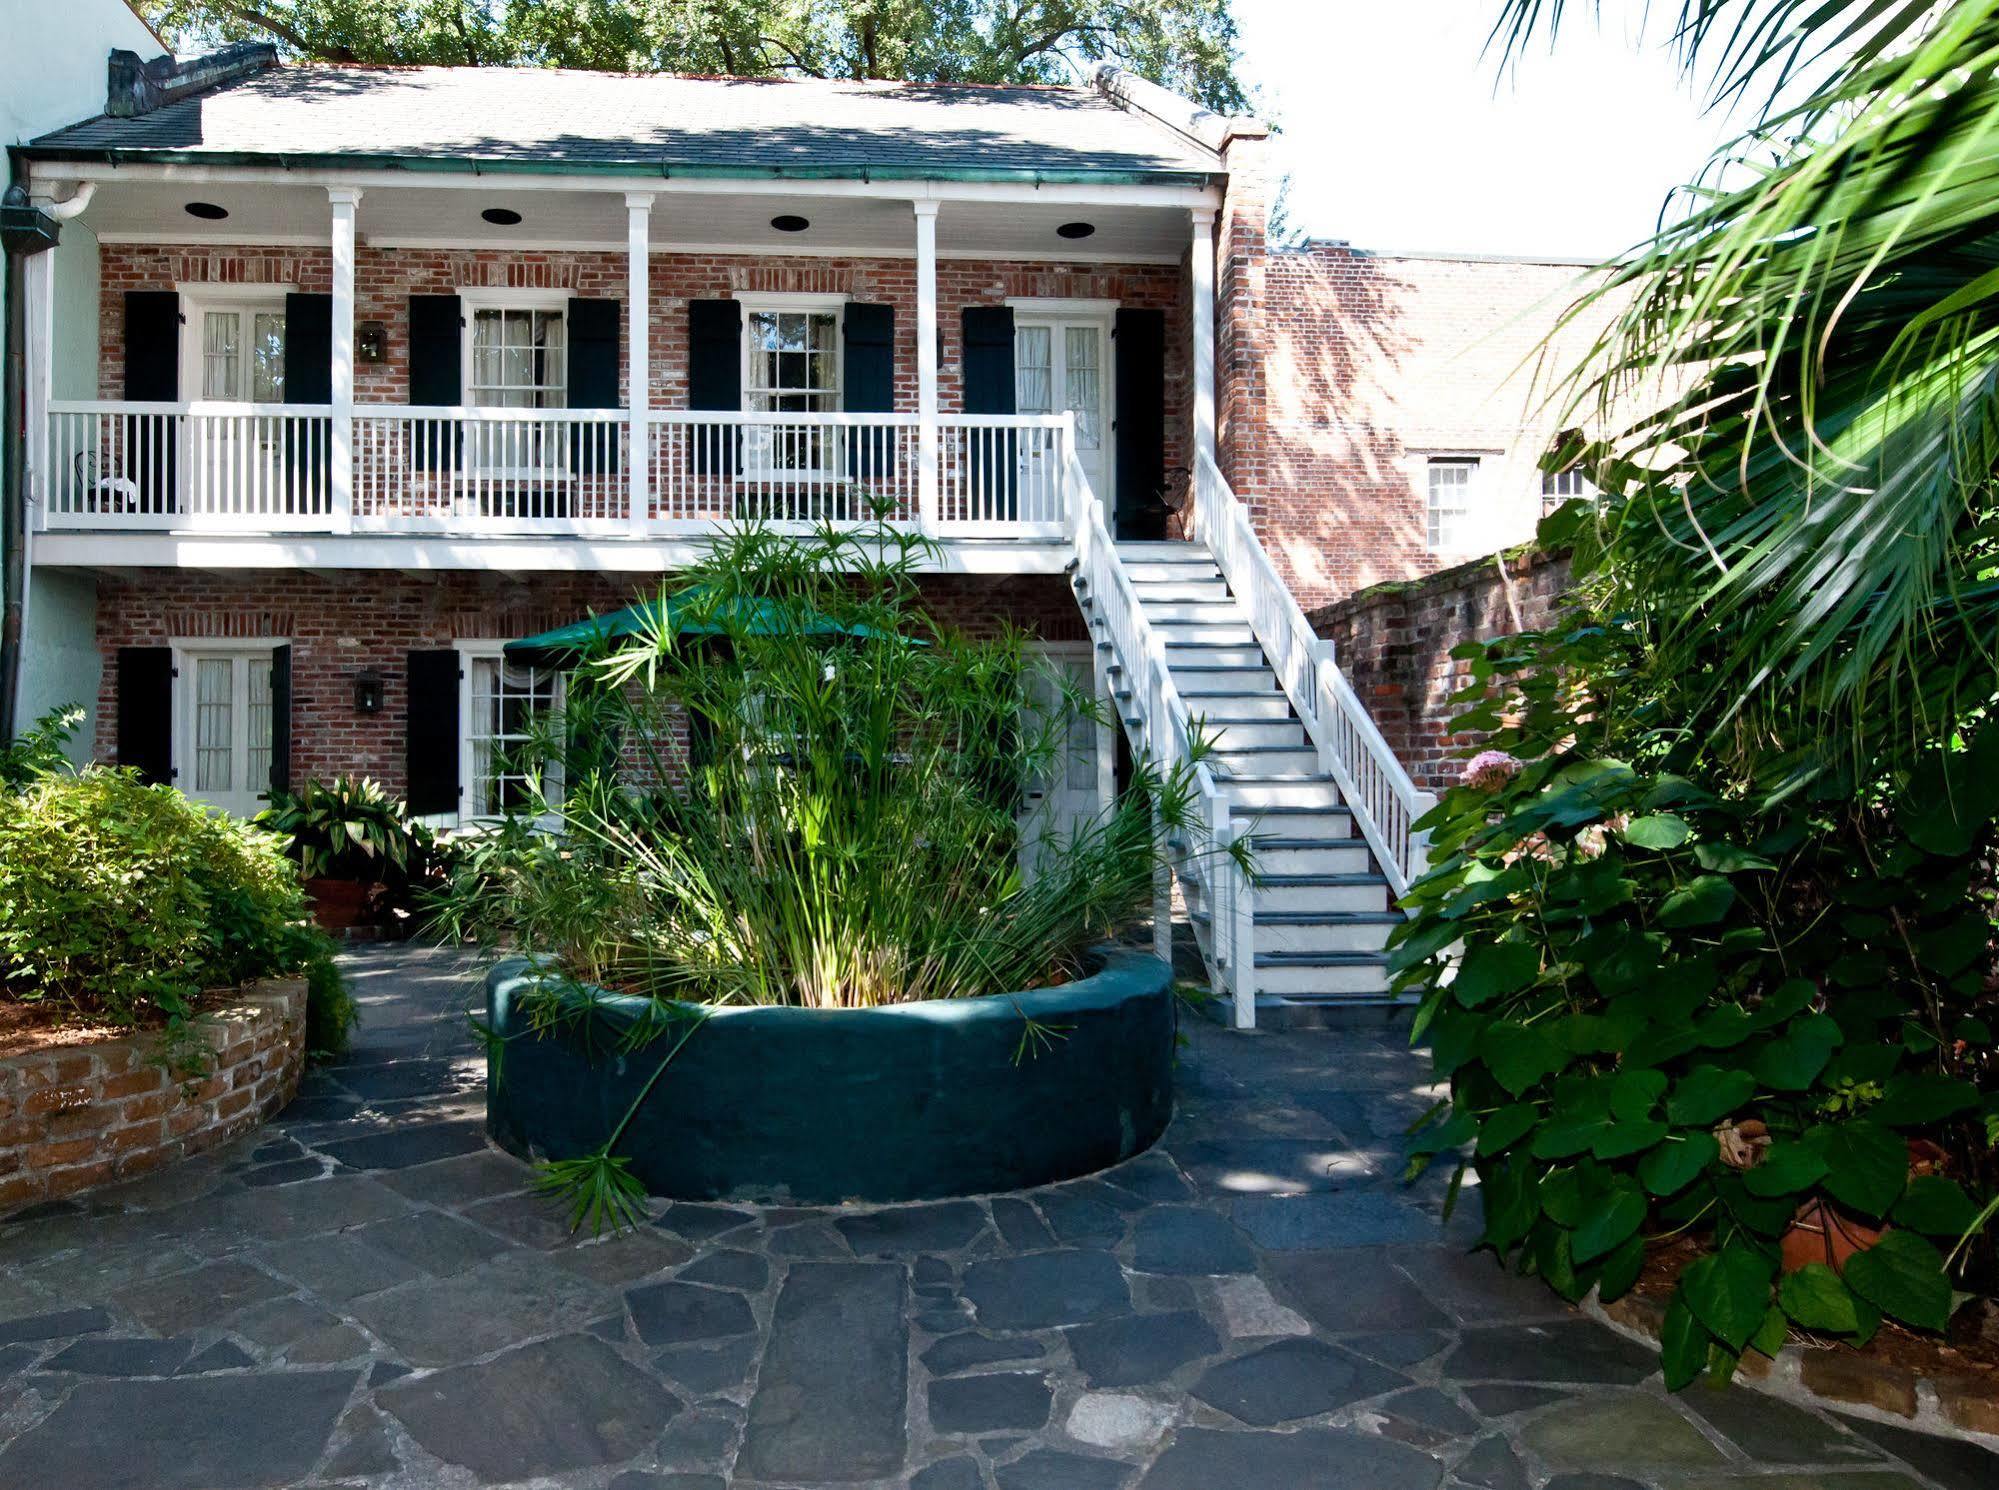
[(1489, 770)]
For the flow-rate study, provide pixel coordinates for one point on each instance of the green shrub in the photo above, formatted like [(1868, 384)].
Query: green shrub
[(350, 828), (1704, 986), (39, 751), (330, 1011), (119, 899)]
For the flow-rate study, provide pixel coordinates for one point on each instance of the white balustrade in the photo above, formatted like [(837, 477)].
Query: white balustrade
[(782, 469), (1001, 475), (1385, 802)]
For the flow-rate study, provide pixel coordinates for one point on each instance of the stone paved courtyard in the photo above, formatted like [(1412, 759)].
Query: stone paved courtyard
[(365, 1294)]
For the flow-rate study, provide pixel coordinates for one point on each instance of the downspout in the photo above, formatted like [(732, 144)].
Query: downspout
[(25, 231)]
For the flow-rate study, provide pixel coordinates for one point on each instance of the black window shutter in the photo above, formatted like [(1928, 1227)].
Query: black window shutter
[(989, 390), (714, 376), (146, 711), (308, 380), (593, 381), (436, 372), (430, 749), (1141, 424), (281, 714), (152, 375), (867, 379)]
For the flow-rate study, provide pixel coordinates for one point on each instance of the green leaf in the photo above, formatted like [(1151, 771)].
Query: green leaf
[(1672, 1166), (1661, 830), (1922, 1097), (1619, 1272), (1936, 1206), (1501, 1129), (1520, 1055), (1793, 1061), (1615, 1217), (1727, 858), (1726, 1026), (1786, 999), (1772, 1333), (1683, 1343), (1903, 1275), (1634, 1094), (1511, 1192), (1565, 1137), (1492, 969), (1867, 1166), (1816, 1298), (1786, 1169), (1620, 1140), (1729, 1292), (1702, 901), (1707, 1094)]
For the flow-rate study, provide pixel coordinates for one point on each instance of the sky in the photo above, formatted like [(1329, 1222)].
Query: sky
[(1400, 134)]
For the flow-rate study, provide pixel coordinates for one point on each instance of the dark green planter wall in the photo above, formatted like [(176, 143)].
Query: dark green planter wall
[(819, 1106)]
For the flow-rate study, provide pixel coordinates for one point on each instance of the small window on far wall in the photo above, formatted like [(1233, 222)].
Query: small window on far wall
[(1558, 487), (1453, 484)]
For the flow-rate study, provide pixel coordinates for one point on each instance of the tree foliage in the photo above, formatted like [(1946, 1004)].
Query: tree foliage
[(1187, 45)]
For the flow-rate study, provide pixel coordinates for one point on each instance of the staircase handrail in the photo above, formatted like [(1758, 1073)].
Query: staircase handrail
[(1169, 729), (1386, 803)]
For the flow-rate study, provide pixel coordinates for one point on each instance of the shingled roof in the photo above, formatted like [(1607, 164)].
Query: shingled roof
[(539, 118)]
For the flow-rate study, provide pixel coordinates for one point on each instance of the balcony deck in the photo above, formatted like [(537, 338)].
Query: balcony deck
[(232, 473)]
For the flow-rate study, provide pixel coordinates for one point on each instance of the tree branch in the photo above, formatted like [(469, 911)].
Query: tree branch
[(796, 61), (288, 34)]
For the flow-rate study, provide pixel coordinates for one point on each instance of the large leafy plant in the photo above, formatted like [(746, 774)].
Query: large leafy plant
[(1682, 991), (350, 828)]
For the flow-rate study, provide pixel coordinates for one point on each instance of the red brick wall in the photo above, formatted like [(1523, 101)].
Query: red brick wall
[(1394, 642), (1361, 367), (339, 625), (75, 1117), (385, 278)]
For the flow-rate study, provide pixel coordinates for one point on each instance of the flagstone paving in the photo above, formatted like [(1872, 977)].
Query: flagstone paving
[(365, 1294)]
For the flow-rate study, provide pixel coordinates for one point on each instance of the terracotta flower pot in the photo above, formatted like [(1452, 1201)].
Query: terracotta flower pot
[(1822, 1232), (339, 904)]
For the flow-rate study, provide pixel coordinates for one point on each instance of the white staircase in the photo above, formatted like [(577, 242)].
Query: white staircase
[(1201, 641)]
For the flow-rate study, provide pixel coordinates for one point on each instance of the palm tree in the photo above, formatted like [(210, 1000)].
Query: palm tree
[(1805, 502)]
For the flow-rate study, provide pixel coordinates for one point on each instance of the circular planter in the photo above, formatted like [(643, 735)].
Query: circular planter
[(812, 1106)]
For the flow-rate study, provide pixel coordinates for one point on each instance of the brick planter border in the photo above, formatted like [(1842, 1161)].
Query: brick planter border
[(75, 1117), (1839, 1379)]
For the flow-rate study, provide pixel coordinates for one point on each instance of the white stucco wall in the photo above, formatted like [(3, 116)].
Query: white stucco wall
[(52, 66), (52, 73)]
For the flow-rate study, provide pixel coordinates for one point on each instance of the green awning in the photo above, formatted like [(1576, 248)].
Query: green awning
[(688, 612)]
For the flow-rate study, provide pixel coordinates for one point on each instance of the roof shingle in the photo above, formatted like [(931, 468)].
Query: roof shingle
[(652, 122)]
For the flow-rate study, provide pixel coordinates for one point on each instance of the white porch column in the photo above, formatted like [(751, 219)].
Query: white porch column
[(638, 354), (39, 319), (1202, 266), (926, 365), (344, 200)]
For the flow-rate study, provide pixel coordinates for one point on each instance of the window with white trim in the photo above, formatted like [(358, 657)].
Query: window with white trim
[(516, 357), (1449, 497), (505, 703), (791, 365)]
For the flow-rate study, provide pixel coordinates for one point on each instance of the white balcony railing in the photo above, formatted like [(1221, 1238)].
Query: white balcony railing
[(274, 468)]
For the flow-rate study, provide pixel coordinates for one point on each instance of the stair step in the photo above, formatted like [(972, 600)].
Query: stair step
[(1322, 895), (1262, 796), (1172, 571), (1214, 654), (1242, 708), (1225, 611), (1259, 762), (1182, 591), (1234, 737), (1296, 975), (1306, 860), (1208, 681), (1220, 634), (1278, 935), (1326, 825)]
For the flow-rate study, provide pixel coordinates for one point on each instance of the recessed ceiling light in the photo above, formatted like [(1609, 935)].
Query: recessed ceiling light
[(207, 210), (790, 222), (501, 217), (1075, 230)]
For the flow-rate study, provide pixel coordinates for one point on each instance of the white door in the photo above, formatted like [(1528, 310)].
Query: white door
[(224, 754), (1065, 795), (238, 458), (1059, 366)]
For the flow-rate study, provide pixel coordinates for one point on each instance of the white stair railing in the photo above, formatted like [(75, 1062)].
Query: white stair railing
[(1166, 736), (1385, 802)]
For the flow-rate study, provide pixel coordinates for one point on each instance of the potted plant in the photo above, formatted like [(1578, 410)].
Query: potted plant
[(351, 838)]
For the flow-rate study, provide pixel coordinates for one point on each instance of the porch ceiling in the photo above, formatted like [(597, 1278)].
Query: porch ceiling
[(449, 215)]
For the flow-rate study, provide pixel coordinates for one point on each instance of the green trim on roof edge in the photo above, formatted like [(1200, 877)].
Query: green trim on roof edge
[(666, 170)]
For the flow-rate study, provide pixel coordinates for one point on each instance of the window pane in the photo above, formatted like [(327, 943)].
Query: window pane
[(1449, 504), (214, 724), (507, 699), (257, 723), (268, 351), (221, 375), (1083, 356), (1033, 380)]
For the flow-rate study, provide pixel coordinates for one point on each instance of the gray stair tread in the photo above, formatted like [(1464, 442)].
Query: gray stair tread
[(1322, 959), (1320, 881), (1287, 809)]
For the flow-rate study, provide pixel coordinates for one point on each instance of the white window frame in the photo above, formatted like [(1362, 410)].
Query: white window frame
[(1552, 496), (196, 301), (471, 300), (1434, 536), (755, 465), (471, 652), (180, 725)]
